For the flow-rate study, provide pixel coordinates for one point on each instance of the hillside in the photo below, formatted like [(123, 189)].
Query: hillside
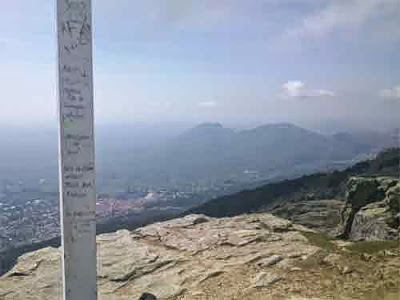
[(316, 186)]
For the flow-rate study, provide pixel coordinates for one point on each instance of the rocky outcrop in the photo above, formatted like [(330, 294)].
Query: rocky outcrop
[(256, 256), (321, 215), (372, 209), (174, 258)]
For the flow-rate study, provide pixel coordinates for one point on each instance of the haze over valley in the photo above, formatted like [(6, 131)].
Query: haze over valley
[(160, 155)]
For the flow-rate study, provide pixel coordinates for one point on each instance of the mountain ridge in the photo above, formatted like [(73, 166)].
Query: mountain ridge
[(214, 152)]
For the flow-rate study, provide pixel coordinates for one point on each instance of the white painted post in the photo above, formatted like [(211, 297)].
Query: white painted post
[(76, 149)]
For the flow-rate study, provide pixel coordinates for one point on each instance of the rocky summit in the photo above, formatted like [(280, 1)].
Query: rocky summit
[(253, 256)]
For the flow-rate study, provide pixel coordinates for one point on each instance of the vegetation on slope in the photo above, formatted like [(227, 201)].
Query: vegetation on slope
[(309, 187)]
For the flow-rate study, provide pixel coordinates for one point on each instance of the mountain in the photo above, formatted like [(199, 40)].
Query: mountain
[(315, 186), (210, 151), (367, 141)]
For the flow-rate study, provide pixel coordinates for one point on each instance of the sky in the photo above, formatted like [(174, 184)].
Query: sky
[(311, 62)]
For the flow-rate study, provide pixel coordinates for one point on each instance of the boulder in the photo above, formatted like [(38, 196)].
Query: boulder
[(371, 209)]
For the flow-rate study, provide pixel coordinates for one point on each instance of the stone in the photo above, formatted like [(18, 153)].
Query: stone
[(264, 280), (321, 215), (332, 260), (147, 296), (346, 270), (366, 257), (373, 222), (371, 209), (269, 261)]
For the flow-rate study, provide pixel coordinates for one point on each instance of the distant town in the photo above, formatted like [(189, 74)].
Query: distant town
[(30, 215)]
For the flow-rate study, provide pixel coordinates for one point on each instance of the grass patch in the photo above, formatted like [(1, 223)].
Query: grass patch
[(320, 240), (373, 247)]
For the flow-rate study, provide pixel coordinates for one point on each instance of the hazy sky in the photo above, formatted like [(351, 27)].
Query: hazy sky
[(213, 60)]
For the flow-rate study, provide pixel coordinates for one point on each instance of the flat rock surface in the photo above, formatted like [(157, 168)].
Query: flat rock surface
[(321, 215), (255, 256)]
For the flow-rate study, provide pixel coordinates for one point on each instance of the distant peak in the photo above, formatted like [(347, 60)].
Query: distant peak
[(209, 125), (282, 125), (207, 129)]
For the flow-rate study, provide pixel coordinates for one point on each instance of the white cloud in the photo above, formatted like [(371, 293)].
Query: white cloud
[(349, 15), (207, 104), (296, 88), (391, 94), (325, 93)]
